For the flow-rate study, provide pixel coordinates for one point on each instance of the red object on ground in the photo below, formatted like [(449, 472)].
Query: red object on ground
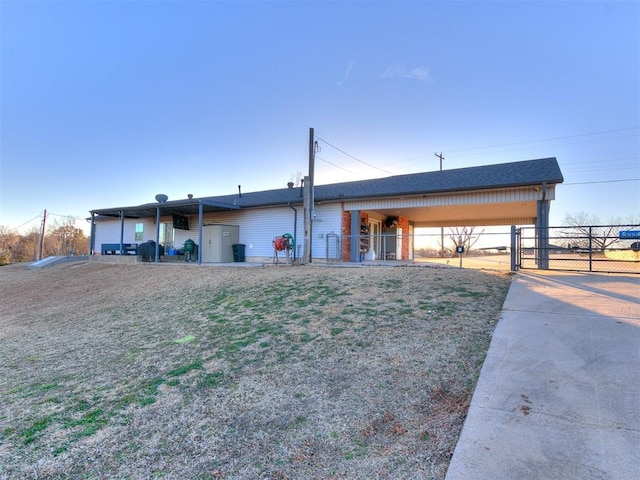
[(280, 243)]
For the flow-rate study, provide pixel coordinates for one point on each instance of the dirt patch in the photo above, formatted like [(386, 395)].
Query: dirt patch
[(182, 371)]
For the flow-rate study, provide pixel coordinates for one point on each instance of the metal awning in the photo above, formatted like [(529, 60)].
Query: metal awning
[(180, 207)]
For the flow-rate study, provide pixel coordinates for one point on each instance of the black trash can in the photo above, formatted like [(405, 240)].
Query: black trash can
[(238, 252)]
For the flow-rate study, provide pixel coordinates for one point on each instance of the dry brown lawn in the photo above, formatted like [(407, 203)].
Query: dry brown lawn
[(200, 372)]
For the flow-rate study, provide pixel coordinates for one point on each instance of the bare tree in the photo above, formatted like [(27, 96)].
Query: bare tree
[(62, 239), (65, 239), (19, 248), (464, 236), (8, 240), (586, 230)]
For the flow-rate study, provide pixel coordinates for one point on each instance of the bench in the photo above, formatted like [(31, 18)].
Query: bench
[(114, 249)]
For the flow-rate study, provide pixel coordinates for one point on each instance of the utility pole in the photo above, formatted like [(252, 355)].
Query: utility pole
[(441, 228), (41, 242), (309, 201)]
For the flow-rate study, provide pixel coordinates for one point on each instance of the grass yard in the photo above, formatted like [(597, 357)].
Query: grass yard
[(199, 372)]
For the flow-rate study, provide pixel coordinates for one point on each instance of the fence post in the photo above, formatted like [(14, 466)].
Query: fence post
[(590, 249), (514, 264)]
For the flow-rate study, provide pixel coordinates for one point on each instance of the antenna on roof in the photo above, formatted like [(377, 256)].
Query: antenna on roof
[(239, 191), (161, 198)]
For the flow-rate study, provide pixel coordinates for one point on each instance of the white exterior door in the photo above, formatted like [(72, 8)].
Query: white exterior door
[(375, 233)]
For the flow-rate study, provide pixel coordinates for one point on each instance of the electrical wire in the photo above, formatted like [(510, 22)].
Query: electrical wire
[(356, 158), (29, 221), (602, 181), (545, 139), (64, 216), (570, 166), (335, 165)]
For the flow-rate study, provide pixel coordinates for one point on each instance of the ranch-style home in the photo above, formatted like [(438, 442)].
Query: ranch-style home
[(349, 221)]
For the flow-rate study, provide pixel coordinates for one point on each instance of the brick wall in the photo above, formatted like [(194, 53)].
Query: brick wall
[(346, 233), (346, 240)]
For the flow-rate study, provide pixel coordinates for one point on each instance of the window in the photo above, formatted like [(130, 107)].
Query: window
[(139, 232)]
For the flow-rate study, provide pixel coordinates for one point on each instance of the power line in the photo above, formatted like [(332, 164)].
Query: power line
[(335, 165), (65, 216), (355, 158), (571, 167), (599, 161), (564, 137), (603, 181), (29, 221)]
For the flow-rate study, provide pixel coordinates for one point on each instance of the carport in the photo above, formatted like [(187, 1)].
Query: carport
[(509, 194)]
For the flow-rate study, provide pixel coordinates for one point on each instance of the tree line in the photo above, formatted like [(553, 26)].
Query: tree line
[(59, 239)]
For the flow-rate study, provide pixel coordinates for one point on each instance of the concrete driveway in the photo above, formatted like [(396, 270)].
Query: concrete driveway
[(559, 392)]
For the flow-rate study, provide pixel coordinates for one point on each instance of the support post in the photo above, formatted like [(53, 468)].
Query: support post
[(200, 222), (157, 234), (92, 237), (121, 231), (514, 258), (354, 251), (542, 230)]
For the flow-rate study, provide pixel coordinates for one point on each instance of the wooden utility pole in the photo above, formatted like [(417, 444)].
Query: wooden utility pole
[(41, 242), (441, 228), (309, 201)]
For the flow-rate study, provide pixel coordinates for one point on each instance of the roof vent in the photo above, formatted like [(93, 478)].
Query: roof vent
[(290, 185), (161, 198), (190, 196)]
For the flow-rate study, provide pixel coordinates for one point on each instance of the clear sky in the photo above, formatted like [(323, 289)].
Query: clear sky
[(107, 103)]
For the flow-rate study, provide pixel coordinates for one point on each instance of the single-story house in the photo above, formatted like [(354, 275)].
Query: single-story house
[(349, 221)]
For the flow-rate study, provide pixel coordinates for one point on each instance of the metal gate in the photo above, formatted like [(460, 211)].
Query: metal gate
[(595, 248)]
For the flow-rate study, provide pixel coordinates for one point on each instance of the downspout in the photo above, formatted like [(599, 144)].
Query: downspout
[(295, 229)]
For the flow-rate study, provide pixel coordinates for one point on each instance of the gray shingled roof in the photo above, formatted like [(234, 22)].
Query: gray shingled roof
[(503, 175), (529, 172)]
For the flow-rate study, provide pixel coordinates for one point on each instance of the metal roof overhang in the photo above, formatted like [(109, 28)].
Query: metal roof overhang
[(168, 208)]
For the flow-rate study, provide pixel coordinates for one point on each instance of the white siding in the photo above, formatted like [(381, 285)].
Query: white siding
[(258, 228), (328, 220), (108, 231)]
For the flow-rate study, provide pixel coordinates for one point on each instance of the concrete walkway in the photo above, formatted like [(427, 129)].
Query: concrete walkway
[(559, 392)]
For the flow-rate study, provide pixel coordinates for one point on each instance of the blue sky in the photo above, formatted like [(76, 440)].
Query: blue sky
[(107, 103)]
